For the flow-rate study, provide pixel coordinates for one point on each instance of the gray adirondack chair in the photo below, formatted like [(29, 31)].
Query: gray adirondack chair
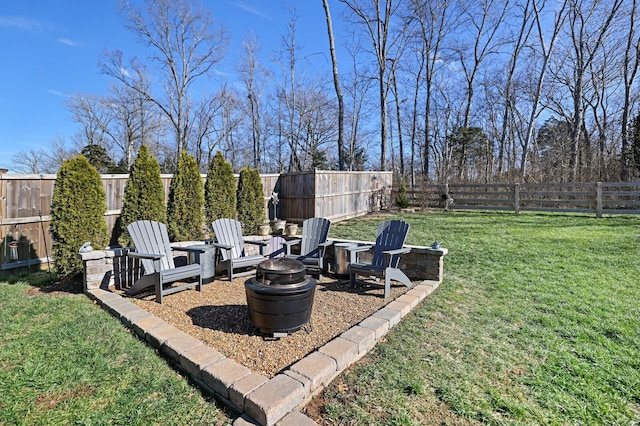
[(230, 244), (387, 250), (313, 244), (152, 248)]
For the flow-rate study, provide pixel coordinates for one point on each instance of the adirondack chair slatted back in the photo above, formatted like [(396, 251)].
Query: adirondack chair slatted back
[(229, 232), (391, 236), (151, 237), (314, 231)]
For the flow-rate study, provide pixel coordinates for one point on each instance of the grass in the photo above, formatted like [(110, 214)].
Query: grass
[(537, 321), (63, 360)]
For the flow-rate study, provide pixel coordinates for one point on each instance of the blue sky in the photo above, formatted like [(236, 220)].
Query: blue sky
[(50, 50)]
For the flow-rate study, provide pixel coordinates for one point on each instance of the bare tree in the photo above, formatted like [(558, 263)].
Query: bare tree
[(287, 92), (546, 51), (253, 73), (436, 20), (630, 66), (43, 160), (484, 18), (357, 90), (222, 127), (185, 50), (585, 45), (30, 161), (509, 106), (336, 84), (377, 17), (303, 104), (93, 117)]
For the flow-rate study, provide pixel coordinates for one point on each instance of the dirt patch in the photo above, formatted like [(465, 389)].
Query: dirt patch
[(218, 316), (60, 288)]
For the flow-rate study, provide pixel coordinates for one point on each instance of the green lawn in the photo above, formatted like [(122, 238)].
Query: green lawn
[(537, 321), (65, 361)]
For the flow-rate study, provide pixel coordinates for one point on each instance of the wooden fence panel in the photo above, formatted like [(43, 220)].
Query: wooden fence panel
[(25, 219), (24, 197), (584, 197)]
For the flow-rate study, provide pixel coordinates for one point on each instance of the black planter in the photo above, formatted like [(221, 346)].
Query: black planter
[(280, 297)]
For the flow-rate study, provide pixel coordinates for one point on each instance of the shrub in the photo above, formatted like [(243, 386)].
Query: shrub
[(220, 190), (185, 215), (250, 200), (402, 201), (78, 206), (143, 194)]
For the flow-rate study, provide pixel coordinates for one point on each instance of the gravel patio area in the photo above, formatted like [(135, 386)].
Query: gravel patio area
[(218, 316)]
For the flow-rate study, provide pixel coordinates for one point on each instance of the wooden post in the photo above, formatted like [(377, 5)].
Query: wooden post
[(516, 198), (3, 214), (599, 199)]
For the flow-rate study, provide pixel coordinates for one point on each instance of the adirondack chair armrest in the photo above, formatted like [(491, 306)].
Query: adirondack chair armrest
[(262, 244), (189, 249), (149, 256), (257, 243), (221, 246), (290, 243), (322, 247), (390, 255), (357, 249), (402, 250), (354, 250)]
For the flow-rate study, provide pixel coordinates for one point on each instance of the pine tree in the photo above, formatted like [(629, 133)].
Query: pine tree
[(78, 206), (185, 209), (250, 200), (402, 201), (220, 190), (143, 194)]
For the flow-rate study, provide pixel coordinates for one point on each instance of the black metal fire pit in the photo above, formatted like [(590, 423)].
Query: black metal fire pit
[(280, 296)]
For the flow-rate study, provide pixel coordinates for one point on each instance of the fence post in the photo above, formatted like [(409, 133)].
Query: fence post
[(516, 198), (599, 199)]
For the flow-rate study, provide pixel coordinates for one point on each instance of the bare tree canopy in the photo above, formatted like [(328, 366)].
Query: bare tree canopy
[(438, 90), (184, 49)]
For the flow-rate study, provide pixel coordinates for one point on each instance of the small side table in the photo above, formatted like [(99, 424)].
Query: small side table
[(342, 258), (207, 260)]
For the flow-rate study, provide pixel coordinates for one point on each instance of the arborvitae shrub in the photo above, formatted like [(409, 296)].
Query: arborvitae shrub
[(250, 200), (220, 190), (185, 215), (402, 201), (78, 206), (143, 194)]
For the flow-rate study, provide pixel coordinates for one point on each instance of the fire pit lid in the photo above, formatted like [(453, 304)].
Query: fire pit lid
[(280, 271)]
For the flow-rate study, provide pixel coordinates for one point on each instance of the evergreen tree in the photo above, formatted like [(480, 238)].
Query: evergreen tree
[(78, 206), (250, 200), (143, 194), (402, 201), (185, 209), (98, 158), (220, 190)]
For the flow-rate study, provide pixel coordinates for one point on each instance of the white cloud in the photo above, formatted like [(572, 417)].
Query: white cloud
[(57, 93), (67, 41), (251, 10), (21, 23)]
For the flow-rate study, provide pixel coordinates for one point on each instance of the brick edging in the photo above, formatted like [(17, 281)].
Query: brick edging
[(260, 399)]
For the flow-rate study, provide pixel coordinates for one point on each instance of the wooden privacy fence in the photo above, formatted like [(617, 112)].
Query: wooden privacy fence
[(595, 197), (25, 205)]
